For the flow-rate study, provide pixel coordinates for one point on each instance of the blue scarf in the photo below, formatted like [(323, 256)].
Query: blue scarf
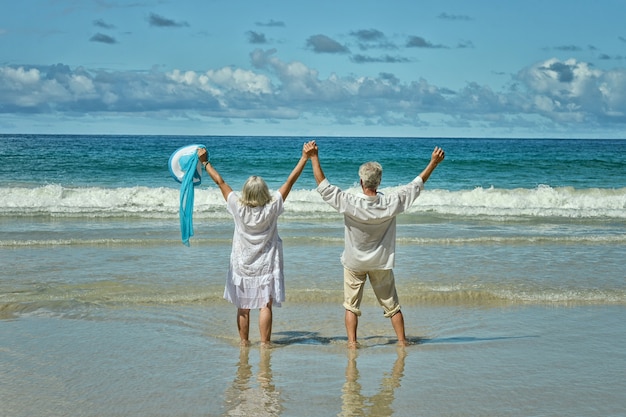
[(188, 164)]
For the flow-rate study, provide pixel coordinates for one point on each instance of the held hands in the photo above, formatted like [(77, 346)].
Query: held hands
[(309, 149)]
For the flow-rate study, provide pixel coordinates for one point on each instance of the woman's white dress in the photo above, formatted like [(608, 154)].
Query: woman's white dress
[(255, 275)]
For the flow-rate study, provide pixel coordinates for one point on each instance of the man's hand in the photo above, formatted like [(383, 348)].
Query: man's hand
[(435, 158), (438, 155)]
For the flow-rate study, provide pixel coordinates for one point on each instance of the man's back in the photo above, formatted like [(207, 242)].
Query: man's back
[(370, 223)]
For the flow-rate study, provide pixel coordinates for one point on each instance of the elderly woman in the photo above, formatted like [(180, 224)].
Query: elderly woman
[(255, 275)]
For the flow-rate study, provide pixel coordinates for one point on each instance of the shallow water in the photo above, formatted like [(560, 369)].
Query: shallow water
[(514, 361)]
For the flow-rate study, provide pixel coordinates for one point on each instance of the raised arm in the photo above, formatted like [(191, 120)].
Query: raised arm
[(317, 168), (295, 174), (437, 156), (224, 188)]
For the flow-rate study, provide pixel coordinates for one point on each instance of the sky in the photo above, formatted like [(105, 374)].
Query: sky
[(405, 68)]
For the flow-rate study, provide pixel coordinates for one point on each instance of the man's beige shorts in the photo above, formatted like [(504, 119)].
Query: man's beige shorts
[(383, 284)]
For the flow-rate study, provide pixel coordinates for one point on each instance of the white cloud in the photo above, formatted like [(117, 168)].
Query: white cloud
[(81, 85), (574, 91), (219, 81), (18, 77), (613, 90), (564, 92)]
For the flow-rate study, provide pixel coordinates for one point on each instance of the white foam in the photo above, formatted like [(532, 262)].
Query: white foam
[(542, 201)]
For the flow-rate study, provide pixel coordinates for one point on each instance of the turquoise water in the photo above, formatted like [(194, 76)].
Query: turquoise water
[(127, 161), (509, 266)]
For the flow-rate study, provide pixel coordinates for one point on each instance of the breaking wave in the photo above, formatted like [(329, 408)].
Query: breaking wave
[(162, 202)]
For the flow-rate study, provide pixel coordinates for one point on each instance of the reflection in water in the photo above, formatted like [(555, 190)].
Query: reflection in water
[(247, 397), (356, 404)]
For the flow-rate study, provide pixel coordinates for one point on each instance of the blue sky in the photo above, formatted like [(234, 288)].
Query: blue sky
[(413, 68)]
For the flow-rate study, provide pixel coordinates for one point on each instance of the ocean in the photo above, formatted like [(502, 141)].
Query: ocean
[(510, 271)]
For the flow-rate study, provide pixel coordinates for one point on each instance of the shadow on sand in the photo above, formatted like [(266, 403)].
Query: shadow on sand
[(313, 338)]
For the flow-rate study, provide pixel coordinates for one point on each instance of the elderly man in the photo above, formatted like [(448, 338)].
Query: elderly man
[(370, 237)]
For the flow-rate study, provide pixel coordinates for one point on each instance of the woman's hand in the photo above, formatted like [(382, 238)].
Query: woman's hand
[(202, 154)]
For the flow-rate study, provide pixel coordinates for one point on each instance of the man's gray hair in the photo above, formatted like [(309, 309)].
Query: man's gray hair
[(371, 174)]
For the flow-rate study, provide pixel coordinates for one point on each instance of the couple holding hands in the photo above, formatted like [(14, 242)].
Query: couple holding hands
[(255, 274)]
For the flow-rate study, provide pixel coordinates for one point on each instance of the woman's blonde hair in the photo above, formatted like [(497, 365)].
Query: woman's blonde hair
[(371, 174), (255, 192)]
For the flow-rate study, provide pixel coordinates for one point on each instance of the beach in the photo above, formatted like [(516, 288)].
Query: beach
[(514, 361), (509, 269)]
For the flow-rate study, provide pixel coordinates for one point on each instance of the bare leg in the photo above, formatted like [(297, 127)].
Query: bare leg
[(243, 325), (397, 321), (352, 321), (265, 323)]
